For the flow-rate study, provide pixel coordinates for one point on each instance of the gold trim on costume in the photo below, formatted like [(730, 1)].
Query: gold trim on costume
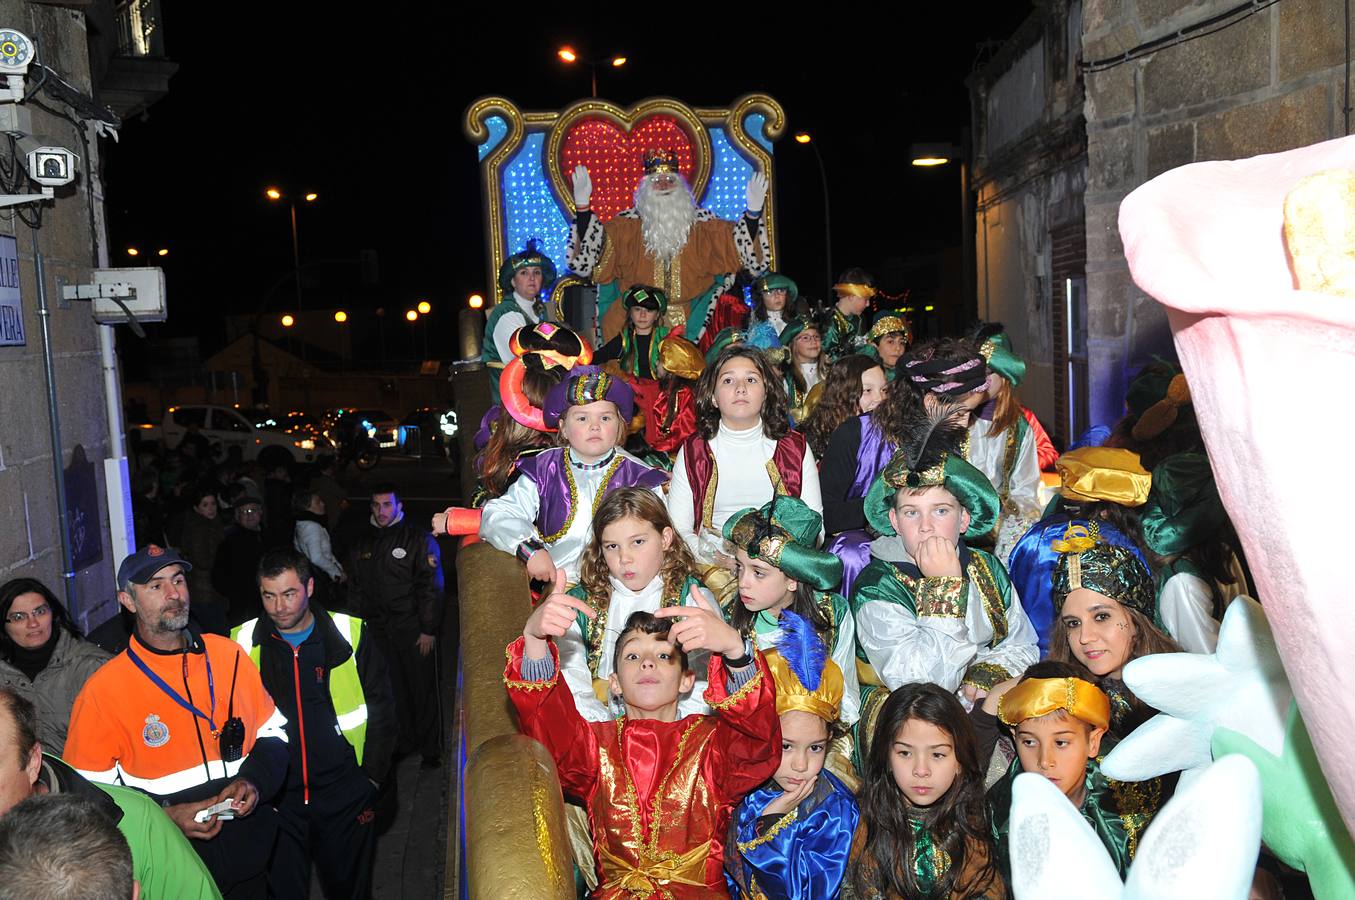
[(982, 577), (1138, 802), (940, 596), (529, 685), (855, 290), (781, 824), (748, 687), (574, 495), (985, 675)]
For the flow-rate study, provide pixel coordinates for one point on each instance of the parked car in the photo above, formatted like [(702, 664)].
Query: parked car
[(430, 429), (257, 434)]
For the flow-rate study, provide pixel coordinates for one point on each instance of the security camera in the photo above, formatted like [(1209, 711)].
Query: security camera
[(16, 52), (51, 166)]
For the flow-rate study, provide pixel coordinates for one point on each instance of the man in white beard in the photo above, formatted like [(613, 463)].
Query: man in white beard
[(666, 241)]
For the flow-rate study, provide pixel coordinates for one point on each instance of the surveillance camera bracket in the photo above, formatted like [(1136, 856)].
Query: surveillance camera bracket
[(17, 199)]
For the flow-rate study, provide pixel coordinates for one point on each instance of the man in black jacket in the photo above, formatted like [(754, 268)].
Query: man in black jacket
[(331, 683), (395, 583)]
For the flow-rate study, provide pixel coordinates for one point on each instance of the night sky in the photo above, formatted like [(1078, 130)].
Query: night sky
[(370, 118)]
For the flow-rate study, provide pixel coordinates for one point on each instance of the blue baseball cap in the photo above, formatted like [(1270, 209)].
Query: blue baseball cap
[(142, 565)]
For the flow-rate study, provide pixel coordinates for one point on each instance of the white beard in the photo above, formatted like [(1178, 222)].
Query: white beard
[(665, 219)]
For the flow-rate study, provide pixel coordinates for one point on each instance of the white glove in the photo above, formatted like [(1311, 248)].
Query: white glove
[(583, 187), (757, 192)]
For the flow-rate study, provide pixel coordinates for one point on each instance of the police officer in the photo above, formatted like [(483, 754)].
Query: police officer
[(331, 683), (395, 584)]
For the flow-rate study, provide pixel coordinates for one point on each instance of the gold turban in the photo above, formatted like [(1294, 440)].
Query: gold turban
[(1037, 697), (1104, 473), (824, 701)]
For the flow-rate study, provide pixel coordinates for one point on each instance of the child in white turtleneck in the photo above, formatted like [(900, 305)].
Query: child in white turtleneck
[(633, 563), (742, 454)]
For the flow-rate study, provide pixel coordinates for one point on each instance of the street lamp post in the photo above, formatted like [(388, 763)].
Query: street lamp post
[(930, 155), (275, 195), (569, 56), (804, 137)]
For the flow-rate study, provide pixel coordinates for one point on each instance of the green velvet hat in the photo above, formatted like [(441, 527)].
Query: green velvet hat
[(1183, 507), (1115, 572), (775, 281), (725, 338), (795, 326), (997, 351), (646, 296), (785, 533), (1149, 386), (967, 484), (527, 256)]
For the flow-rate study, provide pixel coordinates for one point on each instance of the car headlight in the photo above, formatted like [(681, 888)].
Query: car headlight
[(305, 443)]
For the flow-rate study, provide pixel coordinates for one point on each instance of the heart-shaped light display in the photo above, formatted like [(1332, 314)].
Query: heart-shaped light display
[(614, 156)]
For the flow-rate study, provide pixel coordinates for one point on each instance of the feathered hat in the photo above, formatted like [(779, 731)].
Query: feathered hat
[(806, 678), (929, 458)]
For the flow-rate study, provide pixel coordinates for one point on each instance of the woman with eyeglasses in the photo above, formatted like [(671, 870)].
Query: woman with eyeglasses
[(43, 657)]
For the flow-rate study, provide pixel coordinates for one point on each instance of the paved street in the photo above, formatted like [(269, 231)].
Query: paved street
[(410, 854)]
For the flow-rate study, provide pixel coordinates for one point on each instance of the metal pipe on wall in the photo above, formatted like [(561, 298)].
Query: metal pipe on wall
[(54, 422)]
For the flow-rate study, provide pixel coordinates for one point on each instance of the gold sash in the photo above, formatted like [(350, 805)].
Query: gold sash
[(651, 874)]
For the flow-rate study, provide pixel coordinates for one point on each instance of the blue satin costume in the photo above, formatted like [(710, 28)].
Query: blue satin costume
[(804, 855), (1032, 563)]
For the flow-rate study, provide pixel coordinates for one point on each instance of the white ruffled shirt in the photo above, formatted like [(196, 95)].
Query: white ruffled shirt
[(810, 371), (775, 319), (574, 653), (741, 459)]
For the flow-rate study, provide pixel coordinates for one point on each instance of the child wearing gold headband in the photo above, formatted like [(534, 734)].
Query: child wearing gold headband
[(842, 336), (790, 837), (1059, 721)]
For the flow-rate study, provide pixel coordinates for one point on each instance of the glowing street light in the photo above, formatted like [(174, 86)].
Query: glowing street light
[(288, 321), (340, 316), (802, 137), (163, 251), (273, 194), (570, 56), (411, 315), (312, 197), (930, 161), (132, 251), (928, 155), (476, 301), (425, 307)]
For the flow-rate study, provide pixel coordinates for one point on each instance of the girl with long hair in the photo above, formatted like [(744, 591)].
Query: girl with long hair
[(742, 453), (946, 371), (1106, 605), (801, 366), (855, 386), (924, 829), (775, 298), (634, 563), (779, 569), (1001, 443)]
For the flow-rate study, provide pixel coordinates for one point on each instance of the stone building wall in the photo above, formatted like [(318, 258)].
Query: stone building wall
[(1272, 81), (1029, 174), (30, 542)]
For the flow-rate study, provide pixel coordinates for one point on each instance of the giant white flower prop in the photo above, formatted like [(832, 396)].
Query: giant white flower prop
[(1201, 846), (1238, 701)]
